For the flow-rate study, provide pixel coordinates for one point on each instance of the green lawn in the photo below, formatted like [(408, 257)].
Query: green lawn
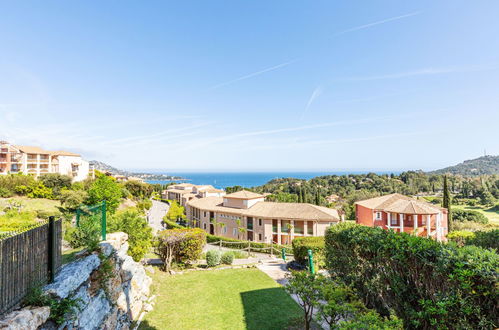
[(33, 204), (492, 215), (222, 299)]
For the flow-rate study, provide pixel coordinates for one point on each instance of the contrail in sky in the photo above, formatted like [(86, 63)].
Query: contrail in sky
[(365, 26), (251, 75)]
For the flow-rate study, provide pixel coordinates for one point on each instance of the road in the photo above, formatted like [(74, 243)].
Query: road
[(156, 214)]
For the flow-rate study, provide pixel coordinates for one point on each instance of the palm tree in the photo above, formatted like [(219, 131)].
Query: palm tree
[(240, 228), (221, 225)]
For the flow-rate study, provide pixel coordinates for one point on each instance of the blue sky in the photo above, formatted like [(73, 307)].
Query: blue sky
[(253, 85)]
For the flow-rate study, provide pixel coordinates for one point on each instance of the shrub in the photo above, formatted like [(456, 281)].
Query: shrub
[(135, 225), (44, 214), (172, 225), (227, 258), (55, 181), (486, 239), (38, 190), (428, 284), (301, 245), (72, 199), (5, 193), (469, 215), (86, 235), (460, 236), (213, 258), (179, 245)]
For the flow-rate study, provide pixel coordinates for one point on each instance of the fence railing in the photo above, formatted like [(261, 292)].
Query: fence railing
[(28, 257), (271, 250)]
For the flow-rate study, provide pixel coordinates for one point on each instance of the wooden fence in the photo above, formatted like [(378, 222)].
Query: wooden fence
[(28, 258)]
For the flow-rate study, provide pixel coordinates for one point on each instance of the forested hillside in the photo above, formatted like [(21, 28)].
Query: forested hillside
[(473, 167), (341, 191)]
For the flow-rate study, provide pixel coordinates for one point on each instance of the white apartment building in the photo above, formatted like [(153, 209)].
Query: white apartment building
[(37, 161)]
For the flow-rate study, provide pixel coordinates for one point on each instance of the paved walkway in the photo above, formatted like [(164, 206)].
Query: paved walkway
[(156, 214)]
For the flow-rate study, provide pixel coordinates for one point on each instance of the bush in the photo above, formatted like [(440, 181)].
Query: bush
[(227, 258), (44, 214), (427, 284), (38, 190), (301, 245), (179, 245), (86, 235), (55, 181), (135, 225), (72, 199), (460, 236), (469, 215), (213, 258), (5, 193)]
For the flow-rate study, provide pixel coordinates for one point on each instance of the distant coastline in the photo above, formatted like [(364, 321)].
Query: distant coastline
[(223, 180)]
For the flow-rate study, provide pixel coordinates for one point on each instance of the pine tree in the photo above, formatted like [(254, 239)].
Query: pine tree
[(446, 202)]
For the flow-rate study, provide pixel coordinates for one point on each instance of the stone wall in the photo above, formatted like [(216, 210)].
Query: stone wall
[(111, 291)]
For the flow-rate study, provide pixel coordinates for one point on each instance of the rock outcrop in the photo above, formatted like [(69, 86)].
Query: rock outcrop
[(110, 289)]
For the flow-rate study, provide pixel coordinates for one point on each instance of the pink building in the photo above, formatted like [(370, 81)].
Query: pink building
[(403, 214)]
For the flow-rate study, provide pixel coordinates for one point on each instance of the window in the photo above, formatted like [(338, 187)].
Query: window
[(260, 222), (204, 226), (378, 216), (234, 232), (260, 235), (225, 230), (205, 214)]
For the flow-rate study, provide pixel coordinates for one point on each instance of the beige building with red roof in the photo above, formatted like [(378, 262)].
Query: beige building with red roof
[(184, 192), (403, 214), (246, 215), (36, 161)]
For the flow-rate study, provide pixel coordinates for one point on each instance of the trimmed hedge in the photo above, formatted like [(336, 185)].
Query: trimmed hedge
[(172, 225), (426, 283), (301, 245), (469, 215)]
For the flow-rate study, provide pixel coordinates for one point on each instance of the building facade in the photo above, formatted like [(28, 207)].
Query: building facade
[(184, 192), (36, 161), (247, 216), (403, 214)]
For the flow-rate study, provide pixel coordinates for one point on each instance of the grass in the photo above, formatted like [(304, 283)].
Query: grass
[(222, 299), (492, 215), (33, 204), (70, 255)]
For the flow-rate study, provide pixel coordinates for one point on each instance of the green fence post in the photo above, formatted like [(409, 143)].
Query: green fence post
[(78, 212), (283, 254), (51, 243), (103, 224), (311, 262)]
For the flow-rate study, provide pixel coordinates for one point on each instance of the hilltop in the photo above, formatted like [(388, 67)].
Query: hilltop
[(478, 166), (103, 167)]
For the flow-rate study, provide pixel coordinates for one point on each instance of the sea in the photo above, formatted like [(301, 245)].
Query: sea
[(223, 180)]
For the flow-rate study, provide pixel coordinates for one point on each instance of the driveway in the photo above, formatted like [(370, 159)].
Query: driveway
[(156, 214)]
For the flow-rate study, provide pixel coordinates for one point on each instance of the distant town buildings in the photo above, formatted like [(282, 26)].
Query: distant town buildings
[(37, 161), (403, 214), (184, 192), (246, 215)]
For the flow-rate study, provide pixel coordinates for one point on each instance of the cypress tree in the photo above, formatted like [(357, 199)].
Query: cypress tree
[(300, 196), (317, 198), (446, 202)]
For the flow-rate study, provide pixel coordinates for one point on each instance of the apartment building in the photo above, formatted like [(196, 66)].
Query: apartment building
[(184, 192), (37, 161), (246, 215), (403, 214)]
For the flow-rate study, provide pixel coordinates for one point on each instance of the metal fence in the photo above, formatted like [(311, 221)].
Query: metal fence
[(28, 257)]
